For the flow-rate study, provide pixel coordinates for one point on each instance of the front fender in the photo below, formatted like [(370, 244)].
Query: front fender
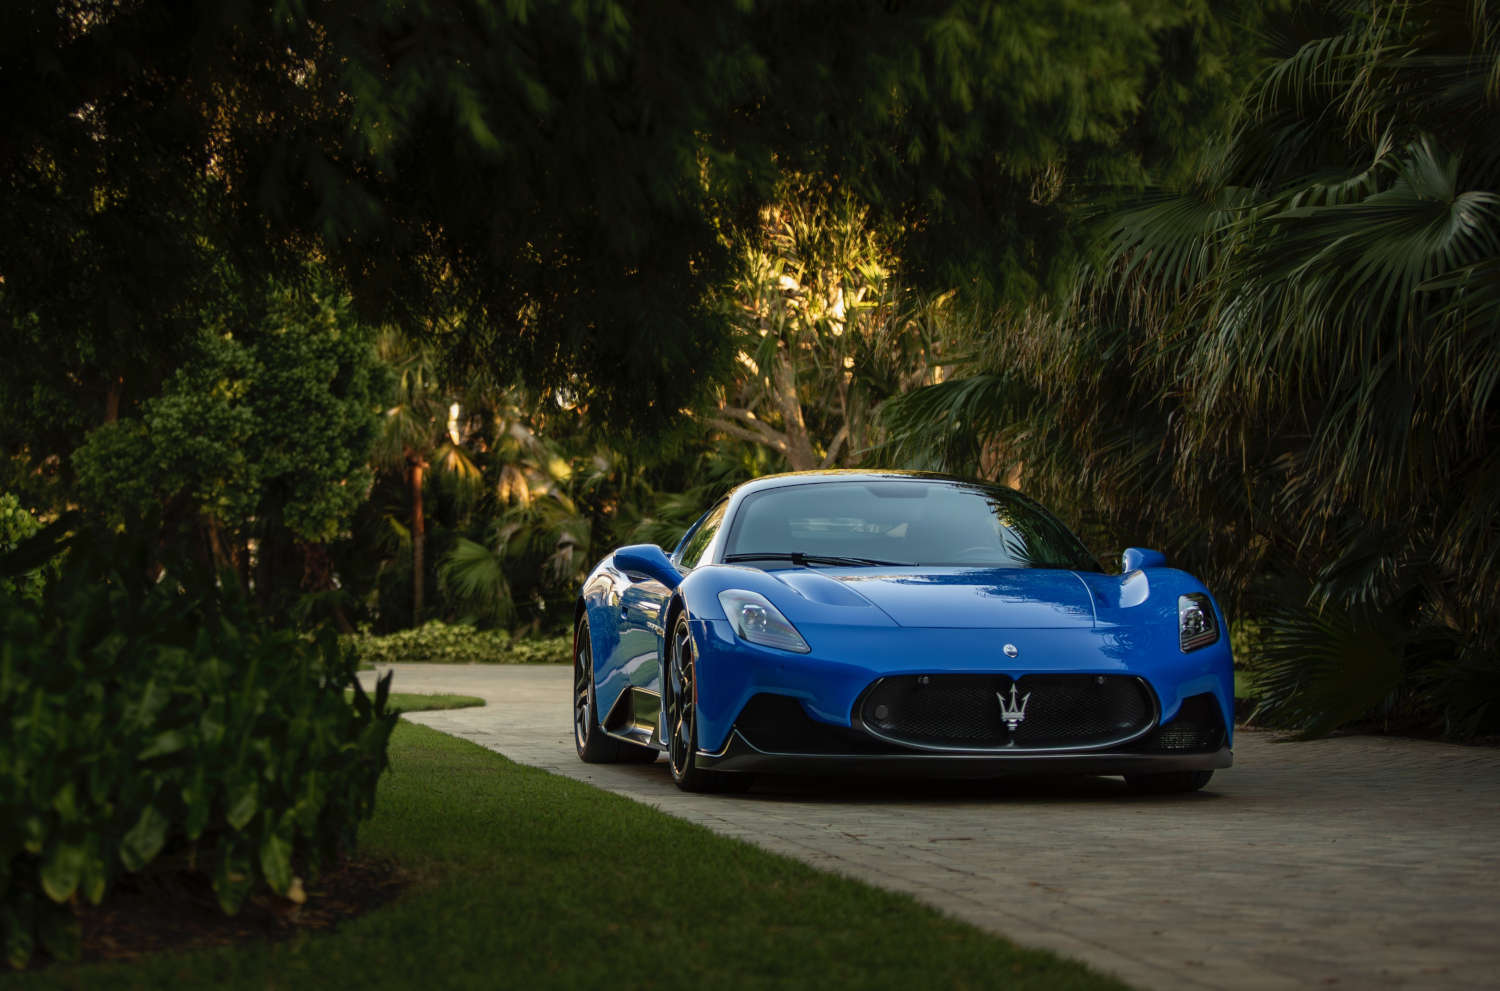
[(1144, 602)]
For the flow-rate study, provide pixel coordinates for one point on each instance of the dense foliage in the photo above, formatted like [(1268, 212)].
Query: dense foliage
[(444, 643), (149, 721), (262, 433), (1285, 372)]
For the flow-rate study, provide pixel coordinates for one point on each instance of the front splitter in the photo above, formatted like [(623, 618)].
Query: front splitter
[(739, 754)]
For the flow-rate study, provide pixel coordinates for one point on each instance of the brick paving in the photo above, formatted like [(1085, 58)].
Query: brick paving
[(1354, 862)]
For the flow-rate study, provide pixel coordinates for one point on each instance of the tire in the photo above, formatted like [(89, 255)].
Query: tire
[(679, 687), (593, 744), (1168, 782)]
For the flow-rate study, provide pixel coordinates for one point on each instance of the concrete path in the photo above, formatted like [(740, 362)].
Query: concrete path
[(1350, 863)]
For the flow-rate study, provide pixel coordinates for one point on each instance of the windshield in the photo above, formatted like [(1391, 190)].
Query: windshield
[(910, 521)]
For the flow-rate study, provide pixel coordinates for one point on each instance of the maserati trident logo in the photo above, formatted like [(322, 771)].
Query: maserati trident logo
[(1013, 714)]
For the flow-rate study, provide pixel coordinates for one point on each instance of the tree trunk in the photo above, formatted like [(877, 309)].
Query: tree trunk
[(112, 400), (799, 450), (219, 556), (418, 541), (317, 577)]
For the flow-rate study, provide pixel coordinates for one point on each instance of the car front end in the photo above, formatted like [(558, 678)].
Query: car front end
[(963, 702)]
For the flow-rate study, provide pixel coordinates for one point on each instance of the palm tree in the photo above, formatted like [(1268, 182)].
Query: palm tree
[(536, 543), (420, 429)]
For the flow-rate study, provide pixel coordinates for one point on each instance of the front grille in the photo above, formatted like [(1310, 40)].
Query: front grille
[(969, 712)]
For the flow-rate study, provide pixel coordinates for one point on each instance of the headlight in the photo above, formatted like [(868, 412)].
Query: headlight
[(756, 620), (1196, 625)]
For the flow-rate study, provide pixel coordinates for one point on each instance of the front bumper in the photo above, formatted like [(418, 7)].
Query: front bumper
[(740, 755), (774, 733)]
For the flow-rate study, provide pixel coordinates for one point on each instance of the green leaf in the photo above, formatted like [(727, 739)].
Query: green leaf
[(243, 802), (233, 877), (199, 803), (310, 804), (94, 879), (383, 691), (65, 804), (62, 868), (144, 840), (33, 834), (153, 696), (276, 856), (210, 729), (166, 743)]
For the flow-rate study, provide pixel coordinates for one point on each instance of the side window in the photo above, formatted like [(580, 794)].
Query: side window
[(697, 542)]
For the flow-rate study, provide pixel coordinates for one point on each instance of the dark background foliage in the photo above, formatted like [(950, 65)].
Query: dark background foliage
[(1283, 370)]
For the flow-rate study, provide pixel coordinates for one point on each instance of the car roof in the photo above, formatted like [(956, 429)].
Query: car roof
[(847, 475)]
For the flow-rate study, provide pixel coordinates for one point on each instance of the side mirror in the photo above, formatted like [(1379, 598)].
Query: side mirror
[(1136, 558), (649, 560)]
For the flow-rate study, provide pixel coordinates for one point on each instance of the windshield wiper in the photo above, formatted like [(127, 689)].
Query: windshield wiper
[(803, 560)]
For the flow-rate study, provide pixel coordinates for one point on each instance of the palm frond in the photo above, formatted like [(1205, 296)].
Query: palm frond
[(935, 426), (474, 577), (455, 462), (1317, 671)]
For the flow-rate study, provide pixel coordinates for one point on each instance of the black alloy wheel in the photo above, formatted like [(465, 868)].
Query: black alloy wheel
[(680, 688), (592, 743)]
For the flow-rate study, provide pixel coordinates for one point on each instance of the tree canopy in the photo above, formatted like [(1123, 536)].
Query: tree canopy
[(543, 188)]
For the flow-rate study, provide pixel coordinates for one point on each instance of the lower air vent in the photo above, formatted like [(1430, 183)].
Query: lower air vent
[(777, 724), (1198, 727)]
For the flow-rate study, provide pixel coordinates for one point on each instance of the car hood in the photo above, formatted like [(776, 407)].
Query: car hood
[(955, 598)]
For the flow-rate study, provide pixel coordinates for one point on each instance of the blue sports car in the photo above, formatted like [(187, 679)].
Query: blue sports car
[(897, 622)]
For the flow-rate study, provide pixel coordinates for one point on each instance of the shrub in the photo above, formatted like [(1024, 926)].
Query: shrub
[(442, 643), (149, 718), (17, 524)]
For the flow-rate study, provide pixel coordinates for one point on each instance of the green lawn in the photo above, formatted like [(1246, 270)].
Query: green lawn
[(414, 702), (532, 880)]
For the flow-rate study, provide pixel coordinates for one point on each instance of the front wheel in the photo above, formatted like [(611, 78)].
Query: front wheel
[(1168, 782), (681, 690)]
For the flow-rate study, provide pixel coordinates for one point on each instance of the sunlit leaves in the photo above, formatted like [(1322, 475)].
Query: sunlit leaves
[(824, 327)]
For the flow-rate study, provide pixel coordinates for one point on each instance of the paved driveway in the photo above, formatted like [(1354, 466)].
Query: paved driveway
[(1353, 862)]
